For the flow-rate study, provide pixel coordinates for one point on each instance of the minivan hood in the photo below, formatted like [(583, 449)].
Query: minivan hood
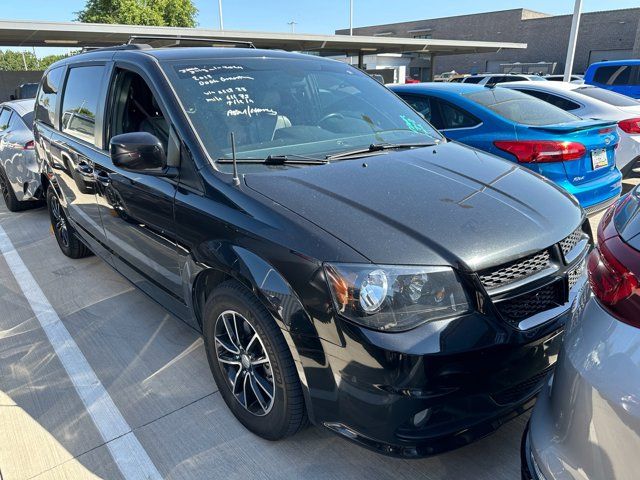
[(442, 205)]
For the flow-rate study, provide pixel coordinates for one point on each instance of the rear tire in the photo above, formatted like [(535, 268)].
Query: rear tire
[(250, 360), (9, 196), (65, 235)]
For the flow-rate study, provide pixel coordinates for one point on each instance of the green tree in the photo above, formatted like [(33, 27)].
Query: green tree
[(13, 61), (169, 13)]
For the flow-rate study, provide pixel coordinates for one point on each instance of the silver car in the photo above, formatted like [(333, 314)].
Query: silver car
[(586, 423), (587, 101), (19, 172)]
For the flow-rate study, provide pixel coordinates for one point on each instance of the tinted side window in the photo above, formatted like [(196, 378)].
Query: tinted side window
[(27, 118), (15, 122), (455, 117), (48, 96), (80, 102), (472, 79), (5, 117), (560, 102), (616, 75), (506, 78), (420, 105)]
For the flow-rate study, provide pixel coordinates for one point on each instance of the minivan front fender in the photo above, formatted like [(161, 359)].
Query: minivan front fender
[(272, 290)]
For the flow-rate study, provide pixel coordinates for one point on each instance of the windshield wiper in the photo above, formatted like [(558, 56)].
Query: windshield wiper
[(279, 160), (378, 147)]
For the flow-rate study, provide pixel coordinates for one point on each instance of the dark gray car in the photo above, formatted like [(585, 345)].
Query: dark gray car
[(19, 172)]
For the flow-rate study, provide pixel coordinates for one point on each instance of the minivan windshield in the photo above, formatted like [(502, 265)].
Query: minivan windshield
[(520, 107), (291, 107)]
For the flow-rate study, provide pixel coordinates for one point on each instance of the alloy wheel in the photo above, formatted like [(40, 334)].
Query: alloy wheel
[(59, 222), (245, 362)]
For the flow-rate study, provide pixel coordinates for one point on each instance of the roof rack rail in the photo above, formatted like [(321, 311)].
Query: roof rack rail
[(177, 39), (137, 46)]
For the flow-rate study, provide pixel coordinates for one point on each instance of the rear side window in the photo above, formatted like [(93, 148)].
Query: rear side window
[(15, 122), (80, 102), (452, 116), (27, 118), (472, 80), (48, 97), (5, 117), (560, 102), (420, 105), (519, 107), (608, 96), (616, 75), (504, 79)]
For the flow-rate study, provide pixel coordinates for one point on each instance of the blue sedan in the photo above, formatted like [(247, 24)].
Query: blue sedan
[(577, 154)]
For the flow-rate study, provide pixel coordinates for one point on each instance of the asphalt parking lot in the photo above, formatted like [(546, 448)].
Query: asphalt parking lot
[(153, 367)]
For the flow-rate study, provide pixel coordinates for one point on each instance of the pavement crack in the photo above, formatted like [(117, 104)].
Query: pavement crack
[(174, 411)]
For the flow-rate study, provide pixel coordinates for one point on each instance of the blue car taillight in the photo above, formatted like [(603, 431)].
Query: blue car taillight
[(542, 151)]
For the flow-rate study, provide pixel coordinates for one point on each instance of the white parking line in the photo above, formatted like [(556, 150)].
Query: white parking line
[(127, 452)]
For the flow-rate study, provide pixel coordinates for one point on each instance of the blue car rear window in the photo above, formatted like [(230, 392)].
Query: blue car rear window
[(519, 107)]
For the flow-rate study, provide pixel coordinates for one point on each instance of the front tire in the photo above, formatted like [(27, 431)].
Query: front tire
[(65, 235), (251, 363)]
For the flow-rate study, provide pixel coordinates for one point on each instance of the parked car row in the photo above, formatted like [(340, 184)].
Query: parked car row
[(577, 154), (346, 262)]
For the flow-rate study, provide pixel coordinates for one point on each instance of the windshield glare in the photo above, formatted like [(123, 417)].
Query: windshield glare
[(291, 107)]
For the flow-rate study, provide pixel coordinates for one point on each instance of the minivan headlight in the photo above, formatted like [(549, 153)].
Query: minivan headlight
[(395, 298)]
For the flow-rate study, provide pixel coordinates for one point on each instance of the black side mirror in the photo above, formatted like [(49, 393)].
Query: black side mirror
[(141, 152)]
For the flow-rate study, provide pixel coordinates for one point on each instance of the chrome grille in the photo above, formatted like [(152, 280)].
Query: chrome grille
[(515, 271), (531, 303), (571, 241)]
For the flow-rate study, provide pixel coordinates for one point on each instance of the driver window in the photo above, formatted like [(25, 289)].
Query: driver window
[(135, 109)]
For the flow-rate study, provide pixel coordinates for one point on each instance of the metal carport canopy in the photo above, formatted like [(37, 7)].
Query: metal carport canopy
[(72, 34)]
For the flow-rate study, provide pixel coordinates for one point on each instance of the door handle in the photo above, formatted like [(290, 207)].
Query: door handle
[(102, 178)]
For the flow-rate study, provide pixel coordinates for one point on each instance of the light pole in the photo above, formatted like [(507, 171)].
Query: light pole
[(292, 24), (220, 14), (573, 38), (350, 17)]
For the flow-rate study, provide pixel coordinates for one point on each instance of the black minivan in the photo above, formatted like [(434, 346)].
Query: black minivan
[(346, 264)]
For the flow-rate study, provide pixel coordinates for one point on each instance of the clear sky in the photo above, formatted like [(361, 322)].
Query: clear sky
[(313, 16)]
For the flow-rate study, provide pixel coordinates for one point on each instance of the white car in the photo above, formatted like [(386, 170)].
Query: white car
[(588, 101), (560, 78), (494, 78)]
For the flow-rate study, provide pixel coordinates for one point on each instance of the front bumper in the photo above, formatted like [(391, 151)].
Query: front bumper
[(405, 394)]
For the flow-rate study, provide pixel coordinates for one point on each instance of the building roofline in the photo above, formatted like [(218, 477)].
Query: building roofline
[(447, 18), (545, 17)]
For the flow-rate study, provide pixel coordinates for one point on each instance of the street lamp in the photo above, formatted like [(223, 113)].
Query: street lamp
[(573, 38), (292, 24), (220, 14)]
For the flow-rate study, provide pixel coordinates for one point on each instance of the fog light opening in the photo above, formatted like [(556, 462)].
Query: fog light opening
[(422, 417)]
